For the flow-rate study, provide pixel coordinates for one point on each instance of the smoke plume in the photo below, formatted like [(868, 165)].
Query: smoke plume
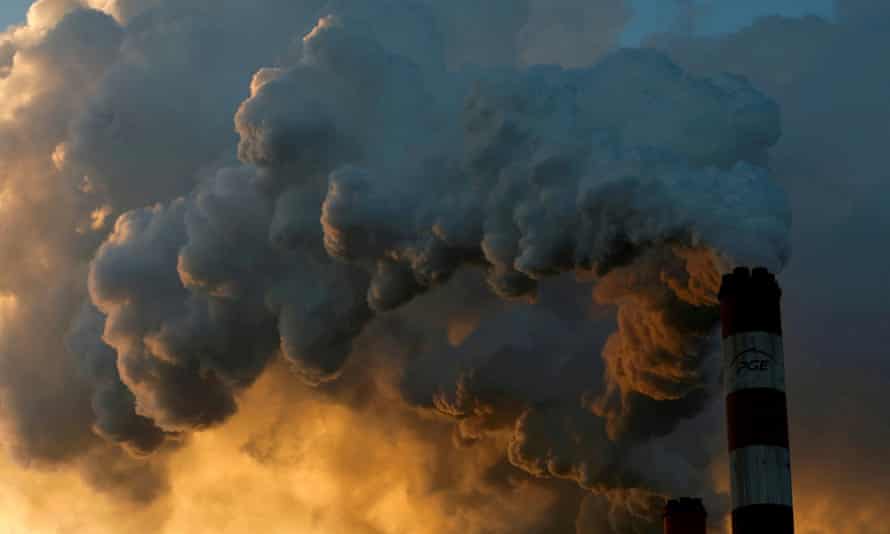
[(361, 188), (455, 266)]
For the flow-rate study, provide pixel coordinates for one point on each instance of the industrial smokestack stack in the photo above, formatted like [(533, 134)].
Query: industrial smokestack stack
[(756, 413), (685, 516)]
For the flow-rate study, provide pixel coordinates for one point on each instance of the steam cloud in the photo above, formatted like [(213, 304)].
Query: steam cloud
[(416, 218)]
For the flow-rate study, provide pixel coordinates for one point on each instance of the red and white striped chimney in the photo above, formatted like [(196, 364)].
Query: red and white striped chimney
[(756, 413)]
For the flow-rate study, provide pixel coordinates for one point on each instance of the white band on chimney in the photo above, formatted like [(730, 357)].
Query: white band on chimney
[(760, 474), (753, 360)]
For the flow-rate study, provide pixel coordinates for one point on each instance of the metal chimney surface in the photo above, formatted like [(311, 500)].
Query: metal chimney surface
[(756, 412)]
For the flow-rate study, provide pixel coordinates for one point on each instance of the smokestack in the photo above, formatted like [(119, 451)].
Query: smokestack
[(756, 414), (685, 516)]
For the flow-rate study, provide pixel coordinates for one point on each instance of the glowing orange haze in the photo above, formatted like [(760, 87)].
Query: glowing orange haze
[(288, 462), (291, 461)]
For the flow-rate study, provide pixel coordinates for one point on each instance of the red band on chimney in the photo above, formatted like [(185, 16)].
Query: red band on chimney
[(757, 417)]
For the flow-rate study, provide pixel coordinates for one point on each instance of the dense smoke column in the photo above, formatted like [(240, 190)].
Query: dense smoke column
[(757, 418), (685, 516)]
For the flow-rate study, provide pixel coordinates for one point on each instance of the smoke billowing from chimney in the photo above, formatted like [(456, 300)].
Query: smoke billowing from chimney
[(521, 175), (390, 220)]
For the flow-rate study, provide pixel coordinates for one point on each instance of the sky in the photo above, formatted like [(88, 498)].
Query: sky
[(649, 15), (716, 16), (13, 12), (336, 267)]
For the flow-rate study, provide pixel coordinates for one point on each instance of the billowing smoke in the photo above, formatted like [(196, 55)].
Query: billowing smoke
[(363, 188), (514, 264)]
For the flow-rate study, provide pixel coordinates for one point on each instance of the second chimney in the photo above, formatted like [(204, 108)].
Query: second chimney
[(685, 516)]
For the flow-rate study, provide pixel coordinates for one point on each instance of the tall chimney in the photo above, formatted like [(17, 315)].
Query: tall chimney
[(685, 516), (756, 413)]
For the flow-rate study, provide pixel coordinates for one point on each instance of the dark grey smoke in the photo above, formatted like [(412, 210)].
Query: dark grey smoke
[(349, 151), (395, 169), (113, 403)]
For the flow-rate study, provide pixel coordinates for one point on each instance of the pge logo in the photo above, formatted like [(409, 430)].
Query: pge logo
[(760, 362)]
